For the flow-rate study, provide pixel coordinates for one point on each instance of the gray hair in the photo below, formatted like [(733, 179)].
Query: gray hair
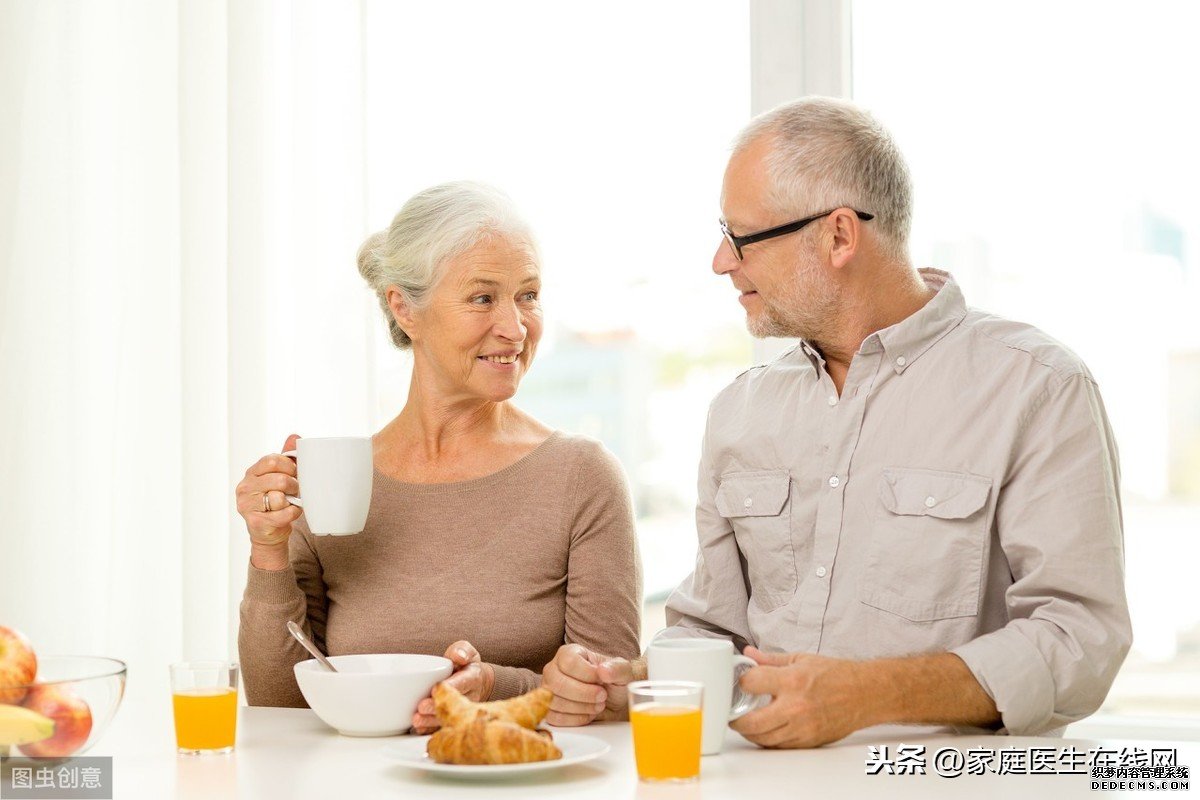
[(826, 153), (434, 226)]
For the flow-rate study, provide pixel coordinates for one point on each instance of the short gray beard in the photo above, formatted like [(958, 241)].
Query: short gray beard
[(807, 308)]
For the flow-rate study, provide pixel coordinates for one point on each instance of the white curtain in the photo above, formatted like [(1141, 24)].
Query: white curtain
[(181, 198)]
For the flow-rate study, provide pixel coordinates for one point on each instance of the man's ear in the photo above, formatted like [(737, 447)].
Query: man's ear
[(845, 232), (402, 311)]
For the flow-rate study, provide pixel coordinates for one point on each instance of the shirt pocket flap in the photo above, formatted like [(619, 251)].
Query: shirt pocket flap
[(928, 493), (753, 494)]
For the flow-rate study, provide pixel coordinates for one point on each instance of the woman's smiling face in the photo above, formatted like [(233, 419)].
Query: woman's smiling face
[(480, 328)]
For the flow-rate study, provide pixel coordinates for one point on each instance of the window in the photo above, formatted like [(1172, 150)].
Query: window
[(1052, 149)]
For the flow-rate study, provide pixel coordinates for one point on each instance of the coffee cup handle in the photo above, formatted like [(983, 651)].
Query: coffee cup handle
[(296, 501), (743, 702)]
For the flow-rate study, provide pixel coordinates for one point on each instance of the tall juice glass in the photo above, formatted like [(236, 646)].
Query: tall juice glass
[(204, 696), (665, 717)]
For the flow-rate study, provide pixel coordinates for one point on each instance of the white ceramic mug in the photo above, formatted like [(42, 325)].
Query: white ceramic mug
[(714, 663), (335, 475)]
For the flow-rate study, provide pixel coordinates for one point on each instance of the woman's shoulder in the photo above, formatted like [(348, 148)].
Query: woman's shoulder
[(592, 460), (598, 489), (584, 447)]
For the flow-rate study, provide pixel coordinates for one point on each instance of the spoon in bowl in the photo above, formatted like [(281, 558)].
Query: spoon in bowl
[(309, 646)]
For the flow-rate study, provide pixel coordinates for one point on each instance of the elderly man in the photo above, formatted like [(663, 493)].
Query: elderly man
[(913, 515)]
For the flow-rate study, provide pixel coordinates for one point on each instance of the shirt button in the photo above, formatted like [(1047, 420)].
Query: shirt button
[(821, 571), (834, 481), (833, 399), (901, 361), (930, 502), (748, 502)]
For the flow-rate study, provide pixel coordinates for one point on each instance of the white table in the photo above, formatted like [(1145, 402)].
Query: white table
[(291, 755)]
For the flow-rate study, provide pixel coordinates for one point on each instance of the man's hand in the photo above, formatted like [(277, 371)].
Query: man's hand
[(817, 699), (588, 686)]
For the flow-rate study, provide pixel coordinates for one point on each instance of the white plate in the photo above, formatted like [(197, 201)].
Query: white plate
[(576, 748)]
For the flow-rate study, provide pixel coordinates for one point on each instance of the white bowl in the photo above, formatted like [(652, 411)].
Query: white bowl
[(370, 695)]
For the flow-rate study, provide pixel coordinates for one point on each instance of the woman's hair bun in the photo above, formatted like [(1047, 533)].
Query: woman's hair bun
[(368, 259)]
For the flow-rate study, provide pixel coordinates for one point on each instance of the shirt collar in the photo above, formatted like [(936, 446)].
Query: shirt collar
[(812, 353), (911, 337), (908, 339)]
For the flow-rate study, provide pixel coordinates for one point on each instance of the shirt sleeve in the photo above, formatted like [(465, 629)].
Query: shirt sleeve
[(266, 651), (713, 600), (1058, 519), (604, 569)]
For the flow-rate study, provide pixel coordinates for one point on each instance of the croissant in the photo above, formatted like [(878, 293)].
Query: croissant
[(499, 732), (484, 741), (527, 711)]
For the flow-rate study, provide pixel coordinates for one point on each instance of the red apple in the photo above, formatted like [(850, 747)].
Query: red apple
[(18, 666), (72, 721)]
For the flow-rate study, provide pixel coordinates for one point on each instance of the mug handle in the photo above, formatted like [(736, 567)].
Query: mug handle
[(296, 501), (743, 702)]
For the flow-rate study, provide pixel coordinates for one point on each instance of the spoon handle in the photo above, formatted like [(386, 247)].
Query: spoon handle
[(309, 646)]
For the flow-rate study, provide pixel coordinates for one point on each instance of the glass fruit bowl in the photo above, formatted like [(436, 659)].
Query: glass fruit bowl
[(65, 710)]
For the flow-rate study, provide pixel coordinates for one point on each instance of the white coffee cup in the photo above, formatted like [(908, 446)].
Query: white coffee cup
[(335, 475), (713, 663)]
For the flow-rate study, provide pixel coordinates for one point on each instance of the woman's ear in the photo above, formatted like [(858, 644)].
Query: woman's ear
[(402, 311)]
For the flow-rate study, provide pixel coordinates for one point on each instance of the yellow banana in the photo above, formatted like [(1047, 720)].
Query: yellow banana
[(19, 725)]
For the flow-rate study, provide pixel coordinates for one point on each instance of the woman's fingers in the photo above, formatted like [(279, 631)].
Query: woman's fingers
[(250, 503), (257, 485), (466, 681), (424, 723), (276, 501), (424, 719), (261, 497), (462, 653), (283, 518), (272, 462), (273, 472), (251, 507)]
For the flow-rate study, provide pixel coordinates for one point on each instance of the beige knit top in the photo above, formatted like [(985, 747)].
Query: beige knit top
[(518, 562)]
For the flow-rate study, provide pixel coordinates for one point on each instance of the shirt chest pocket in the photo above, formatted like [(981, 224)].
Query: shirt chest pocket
[(756, 505), (926, 556)]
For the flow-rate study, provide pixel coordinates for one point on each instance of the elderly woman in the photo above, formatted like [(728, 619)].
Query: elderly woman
[(489, 533)]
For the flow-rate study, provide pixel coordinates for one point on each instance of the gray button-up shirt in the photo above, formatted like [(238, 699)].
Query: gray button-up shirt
[(961, 494)]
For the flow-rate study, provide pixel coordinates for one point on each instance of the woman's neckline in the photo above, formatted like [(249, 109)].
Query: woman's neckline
[(472, 483)]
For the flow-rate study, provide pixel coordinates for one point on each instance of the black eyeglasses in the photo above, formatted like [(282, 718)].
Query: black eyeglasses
[(736, 243)]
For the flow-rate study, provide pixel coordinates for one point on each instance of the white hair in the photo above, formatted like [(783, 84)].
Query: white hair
[(826, 153), (434, 226)]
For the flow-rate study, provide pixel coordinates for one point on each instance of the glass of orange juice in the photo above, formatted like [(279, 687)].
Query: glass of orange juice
[(204, 694), (665, 716)]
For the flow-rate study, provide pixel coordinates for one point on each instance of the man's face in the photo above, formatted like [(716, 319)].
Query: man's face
[(781, 281)]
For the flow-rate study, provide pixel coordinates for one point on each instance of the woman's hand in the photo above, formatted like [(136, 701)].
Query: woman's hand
[(268, 514), (471, 677)]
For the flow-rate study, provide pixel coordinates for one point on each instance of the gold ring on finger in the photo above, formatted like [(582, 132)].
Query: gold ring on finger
[(266, 502)]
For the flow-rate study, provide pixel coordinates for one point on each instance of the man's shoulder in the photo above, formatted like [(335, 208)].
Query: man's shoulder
[(1022, 342), (790, 365)]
